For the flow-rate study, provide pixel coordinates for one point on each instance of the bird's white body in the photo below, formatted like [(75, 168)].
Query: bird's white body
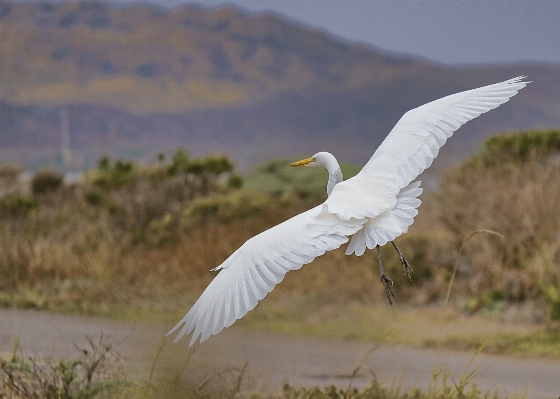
[(374, 207)]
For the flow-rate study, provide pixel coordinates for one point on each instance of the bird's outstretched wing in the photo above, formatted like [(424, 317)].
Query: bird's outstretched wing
[(382, 191), (257, 266), (416, 138)]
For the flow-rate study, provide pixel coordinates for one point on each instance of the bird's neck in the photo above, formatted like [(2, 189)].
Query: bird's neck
[(335, 177)]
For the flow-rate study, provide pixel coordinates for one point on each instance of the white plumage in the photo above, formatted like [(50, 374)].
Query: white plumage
[(375, 206)]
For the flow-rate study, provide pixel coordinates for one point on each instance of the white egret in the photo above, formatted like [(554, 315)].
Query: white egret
[(374, 207)]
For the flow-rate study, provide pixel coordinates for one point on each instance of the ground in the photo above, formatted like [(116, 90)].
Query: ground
[(274, 358)]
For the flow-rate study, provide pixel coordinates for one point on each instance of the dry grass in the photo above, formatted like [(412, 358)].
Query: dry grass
[(143, 239), (99, 372), (138, 242), (520, 202)]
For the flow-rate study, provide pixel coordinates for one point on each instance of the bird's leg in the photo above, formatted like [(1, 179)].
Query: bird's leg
[(387, 282), (406, 266)]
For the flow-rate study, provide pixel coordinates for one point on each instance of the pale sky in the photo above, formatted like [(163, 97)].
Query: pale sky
[(445, 31)]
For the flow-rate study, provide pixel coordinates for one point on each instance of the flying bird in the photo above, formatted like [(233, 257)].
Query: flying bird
[(374, 207)]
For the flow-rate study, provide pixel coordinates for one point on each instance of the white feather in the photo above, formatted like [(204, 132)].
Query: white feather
[(438, 119), (374, 207)]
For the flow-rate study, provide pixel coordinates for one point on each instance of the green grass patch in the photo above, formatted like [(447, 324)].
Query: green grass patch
[(545, 343), (307, 317), (277, 177)]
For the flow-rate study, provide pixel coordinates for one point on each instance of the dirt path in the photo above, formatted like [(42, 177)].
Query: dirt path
[(275, 358)]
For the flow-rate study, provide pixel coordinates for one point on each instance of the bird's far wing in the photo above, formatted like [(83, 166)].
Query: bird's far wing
[(415, 140), (257, 266)]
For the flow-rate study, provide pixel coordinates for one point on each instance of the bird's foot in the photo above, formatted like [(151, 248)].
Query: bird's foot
[(406, 267), (388, 284)]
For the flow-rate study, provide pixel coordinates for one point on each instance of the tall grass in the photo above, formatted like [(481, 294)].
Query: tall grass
[(510, 188), (144, 237), (109, 239)]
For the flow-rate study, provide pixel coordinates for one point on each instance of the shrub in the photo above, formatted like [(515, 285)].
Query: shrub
[(224, 208), (97, 373), (162, 230), (46, 181), (510, 188), (17, 204), (513, 148), (104, 164), (217, 164), (179, 162), (9, 173), (235, 181), (113, 175), (9, 180), (94, 198)]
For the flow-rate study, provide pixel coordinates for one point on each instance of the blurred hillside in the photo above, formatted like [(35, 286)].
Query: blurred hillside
[(145, 60), (136, 81)]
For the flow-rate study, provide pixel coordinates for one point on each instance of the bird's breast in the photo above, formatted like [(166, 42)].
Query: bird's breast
[(361, 197)]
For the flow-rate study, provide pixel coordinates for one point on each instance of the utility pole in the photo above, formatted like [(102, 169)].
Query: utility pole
[(65, 137)]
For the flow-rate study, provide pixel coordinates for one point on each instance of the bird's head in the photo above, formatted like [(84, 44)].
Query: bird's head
[(324, 160), (321, 159)]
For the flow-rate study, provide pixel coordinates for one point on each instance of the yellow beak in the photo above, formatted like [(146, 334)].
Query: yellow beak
[(303, 162)]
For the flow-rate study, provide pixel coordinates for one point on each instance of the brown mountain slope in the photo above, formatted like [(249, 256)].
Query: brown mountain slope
[(138, 81), (146, 60)]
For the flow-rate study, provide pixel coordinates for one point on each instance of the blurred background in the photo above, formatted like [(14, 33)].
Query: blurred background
[(142, 143), (256, 80)]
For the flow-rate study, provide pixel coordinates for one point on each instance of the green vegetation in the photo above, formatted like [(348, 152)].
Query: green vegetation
[(16, 204), (442, 387), (510, 188), (543, 342), (95, 374), (66, 247), (276, 177), (46, 181), (99, 372), (135, 241), (513, 148), (112, 175)]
